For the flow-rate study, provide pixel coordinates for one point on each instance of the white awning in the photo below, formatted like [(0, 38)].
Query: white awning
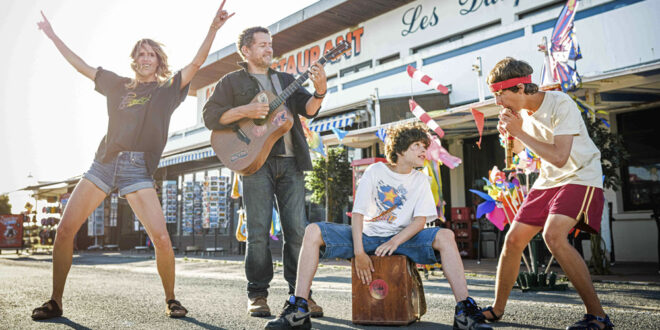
[(325, 124), (186, 157)]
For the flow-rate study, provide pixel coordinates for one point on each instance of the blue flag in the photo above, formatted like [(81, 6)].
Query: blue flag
[(381, 134), (320, 148), (340, 133)]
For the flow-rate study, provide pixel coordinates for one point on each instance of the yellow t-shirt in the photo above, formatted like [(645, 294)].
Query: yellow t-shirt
[(559, 115)]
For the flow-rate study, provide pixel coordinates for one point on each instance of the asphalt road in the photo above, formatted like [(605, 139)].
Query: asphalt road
[(114, 291)]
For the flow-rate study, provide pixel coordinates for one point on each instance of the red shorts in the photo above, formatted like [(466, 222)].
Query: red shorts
[(583, 203)]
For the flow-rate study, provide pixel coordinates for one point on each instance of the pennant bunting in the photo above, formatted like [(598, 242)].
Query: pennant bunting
[(381, 134), (320, 148), (340, 133), (313, 138), (479, 120)]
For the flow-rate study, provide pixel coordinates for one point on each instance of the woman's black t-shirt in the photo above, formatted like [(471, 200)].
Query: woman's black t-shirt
[(138, 118)]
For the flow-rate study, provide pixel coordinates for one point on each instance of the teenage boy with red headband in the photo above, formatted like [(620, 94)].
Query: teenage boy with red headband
[(568, 192)]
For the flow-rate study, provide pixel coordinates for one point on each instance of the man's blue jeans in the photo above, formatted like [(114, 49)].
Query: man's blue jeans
[(278, 177)]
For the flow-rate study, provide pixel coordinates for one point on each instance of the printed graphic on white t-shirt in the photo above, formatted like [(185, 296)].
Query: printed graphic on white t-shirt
[(389, 200)]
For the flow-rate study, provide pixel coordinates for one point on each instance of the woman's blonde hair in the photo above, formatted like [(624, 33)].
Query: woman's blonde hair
[(163, 72)]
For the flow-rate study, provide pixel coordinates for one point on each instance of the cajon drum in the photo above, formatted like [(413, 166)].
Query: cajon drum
[(395, 295)]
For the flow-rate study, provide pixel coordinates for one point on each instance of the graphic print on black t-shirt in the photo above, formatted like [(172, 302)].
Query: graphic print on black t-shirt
[(139, 117), (131, 99)]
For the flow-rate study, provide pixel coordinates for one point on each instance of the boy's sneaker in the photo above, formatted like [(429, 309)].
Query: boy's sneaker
[(294, 316), (468, 316)]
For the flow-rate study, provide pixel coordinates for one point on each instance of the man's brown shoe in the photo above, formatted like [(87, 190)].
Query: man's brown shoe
[(258, 307), (314, 309)]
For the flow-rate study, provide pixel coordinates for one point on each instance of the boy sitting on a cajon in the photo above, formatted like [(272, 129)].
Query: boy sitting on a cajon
[(392, 204)]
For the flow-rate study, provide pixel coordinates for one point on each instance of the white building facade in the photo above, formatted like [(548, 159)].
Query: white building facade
[(457, 42)]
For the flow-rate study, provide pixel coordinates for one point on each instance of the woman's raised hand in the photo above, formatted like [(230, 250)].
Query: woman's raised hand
[(45, 26), (221, 17)]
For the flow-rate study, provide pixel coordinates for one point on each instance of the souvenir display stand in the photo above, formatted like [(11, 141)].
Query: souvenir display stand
[(215, 208), (169, 195), (96, 226), (111, 223), (11, 231)]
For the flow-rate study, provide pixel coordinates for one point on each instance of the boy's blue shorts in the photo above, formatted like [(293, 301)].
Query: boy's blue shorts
[(338, 240)]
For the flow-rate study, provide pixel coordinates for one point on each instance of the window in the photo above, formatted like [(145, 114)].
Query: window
[(640, 172), (457, 36), (387, 59), (538, 10), (331, 78), (355, 68)]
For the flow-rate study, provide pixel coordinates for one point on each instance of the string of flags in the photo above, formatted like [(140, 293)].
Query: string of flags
[(381, 134), (479, 120), (590, 112), (313, 138), (340, 133)]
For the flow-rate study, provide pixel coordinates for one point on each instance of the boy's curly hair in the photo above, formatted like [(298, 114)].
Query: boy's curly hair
[(400, 137)]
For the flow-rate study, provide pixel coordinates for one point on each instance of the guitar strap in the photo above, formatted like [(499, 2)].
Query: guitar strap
[(288, 137), (276, 83)]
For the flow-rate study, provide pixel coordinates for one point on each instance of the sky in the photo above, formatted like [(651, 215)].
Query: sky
[(51, 119)]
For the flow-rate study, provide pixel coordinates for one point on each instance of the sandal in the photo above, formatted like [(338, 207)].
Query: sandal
[(495, 316), (48, 310), (587, 323), (175, 310)]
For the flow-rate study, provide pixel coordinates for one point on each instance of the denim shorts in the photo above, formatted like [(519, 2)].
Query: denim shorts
[(126, 172), (338, 240)]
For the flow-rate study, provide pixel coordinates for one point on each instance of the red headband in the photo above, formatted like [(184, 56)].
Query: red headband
[(498, 86)]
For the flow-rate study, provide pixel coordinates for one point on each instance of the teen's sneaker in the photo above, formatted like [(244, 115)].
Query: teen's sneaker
[(294, 316), (258, 307), (468, 316), (314, 309), (588, 322)]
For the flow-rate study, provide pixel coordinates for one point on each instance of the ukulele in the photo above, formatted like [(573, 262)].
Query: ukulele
[(244, 147)]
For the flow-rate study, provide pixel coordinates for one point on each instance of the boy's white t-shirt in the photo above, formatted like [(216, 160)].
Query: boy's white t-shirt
[(559, 115), (389, 200)]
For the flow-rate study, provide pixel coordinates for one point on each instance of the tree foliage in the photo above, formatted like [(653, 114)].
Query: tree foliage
[(5, 206), (612, 153), (335, 172)]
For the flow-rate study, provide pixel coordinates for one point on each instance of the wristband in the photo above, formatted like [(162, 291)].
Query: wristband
[(319, 96)]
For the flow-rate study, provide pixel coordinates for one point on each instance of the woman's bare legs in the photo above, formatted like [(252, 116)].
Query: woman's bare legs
[(146, 206), (84, 199)]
